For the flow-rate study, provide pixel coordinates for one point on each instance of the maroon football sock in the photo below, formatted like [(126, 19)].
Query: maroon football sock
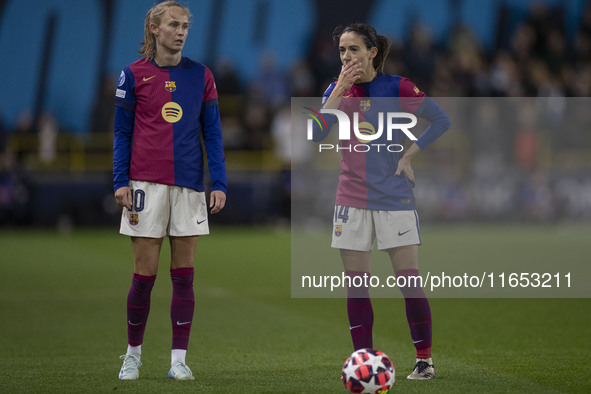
[(359, 311), (138, 307), (182, 306), (418, 312)]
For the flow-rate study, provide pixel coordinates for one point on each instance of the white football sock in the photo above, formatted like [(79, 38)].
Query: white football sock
[(178, 355), (135, 350)]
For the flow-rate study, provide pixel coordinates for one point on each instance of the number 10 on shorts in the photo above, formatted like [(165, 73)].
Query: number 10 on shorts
[(139, 196)]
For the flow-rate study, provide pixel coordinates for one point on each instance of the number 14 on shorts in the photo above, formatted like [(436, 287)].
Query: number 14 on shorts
[(341, 213)]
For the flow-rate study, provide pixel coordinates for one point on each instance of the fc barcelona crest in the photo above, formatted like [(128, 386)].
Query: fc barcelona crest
[(364, 105), (134, 219), (338, 230), (170, 86)]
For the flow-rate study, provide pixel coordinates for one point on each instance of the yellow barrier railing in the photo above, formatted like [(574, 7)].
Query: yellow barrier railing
[(93, 152)]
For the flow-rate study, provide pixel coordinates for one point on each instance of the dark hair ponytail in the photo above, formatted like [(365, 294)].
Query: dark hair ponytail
[(371, 39), (383, 49)]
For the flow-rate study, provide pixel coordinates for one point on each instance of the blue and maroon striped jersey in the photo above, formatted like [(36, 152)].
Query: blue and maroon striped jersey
[(159, 116), (367, 177)]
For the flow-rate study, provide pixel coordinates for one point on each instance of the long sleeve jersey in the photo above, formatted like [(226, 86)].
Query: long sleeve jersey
[(161, 113), (367, 177)]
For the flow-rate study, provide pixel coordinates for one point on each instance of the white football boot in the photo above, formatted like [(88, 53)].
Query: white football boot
[(423, 370), (180, 371), (130, 368)]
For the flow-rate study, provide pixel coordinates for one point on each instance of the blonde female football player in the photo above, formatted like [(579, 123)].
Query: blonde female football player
[(374, 198), (165, 104)]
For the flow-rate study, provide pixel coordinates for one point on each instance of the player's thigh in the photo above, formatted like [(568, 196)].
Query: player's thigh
[(396, 228), (404, 257), (188, 212), (353, 229), (182, 251), (150, 213), (146, 252)]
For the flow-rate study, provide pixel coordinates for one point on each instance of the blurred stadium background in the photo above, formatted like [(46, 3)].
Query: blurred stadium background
[(60, 61)]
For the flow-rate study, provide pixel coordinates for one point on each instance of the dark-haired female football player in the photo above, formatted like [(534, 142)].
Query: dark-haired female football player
[(374, 198)]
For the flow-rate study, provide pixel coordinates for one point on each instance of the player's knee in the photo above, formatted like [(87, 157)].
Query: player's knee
[(145, 265), (181, 262)]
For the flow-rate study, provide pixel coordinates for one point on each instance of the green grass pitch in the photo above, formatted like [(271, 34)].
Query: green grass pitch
[(62, 322)]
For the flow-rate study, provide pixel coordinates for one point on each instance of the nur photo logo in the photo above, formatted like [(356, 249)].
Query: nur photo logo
[(320, 121), (364, 131)]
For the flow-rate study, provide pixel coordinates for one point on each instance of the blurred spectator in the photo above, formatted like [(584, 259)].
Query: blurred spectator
[(527, 141), (3, 136), (230, 96), (271, 82), (234, 134), (14, 195), (227, 82), (302, 80), (523, 43), (504, 76), (543, 22), (586, 20), (103, 112), (537, 201), (257, 115), (555, 56), (488, 140), (324, 64), (48, 130), (290, 149), (395, 64), (581, 50), (578, 81), (464, 60), (24, 123), (420, 56), (282, 146)]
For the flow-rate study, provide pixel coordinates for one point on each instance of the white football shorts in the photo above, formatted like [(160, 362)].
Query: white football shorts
[(159, 210), (358, 229)]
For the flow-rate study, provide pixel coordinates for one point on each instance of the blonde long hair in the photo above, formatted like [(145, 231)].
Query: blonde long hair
[(154, 16)]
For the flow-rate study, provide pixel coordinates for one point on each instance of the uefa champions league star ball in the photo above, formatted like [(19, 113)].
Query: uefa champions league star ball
[(368, 371)]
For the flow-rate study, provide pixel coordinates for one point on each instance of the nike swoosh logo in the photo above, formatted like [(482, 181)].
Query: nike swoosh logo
[(400, 234), (147, 79), (178, 323), (348, 96), (354, 327), (201, 221), (133, 324), (418, 341)]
